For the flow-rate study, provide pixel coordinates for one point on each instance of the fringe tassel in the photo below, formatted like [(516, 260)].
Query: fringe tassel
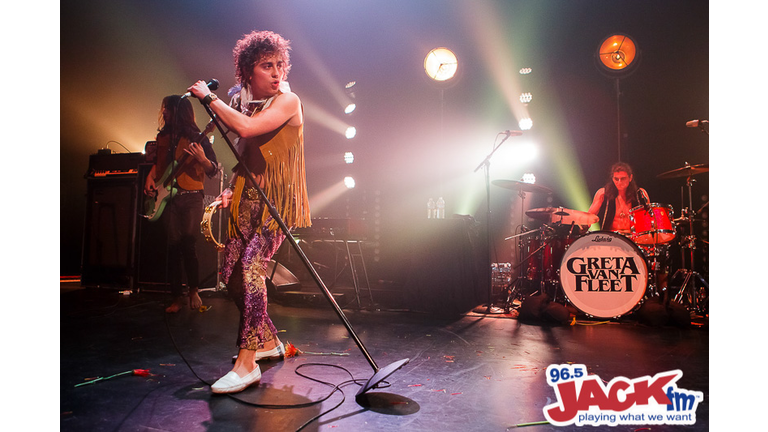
[(233, 226)]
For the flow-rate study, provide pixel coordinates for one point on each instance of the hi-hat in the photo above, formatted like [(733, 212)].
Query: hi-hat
[(686, 171), (518, 185)]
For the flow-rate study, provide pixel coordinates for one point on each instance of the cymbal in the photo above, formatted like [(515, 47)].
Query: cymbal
[(686, 171), (518, 185), (562, 215)]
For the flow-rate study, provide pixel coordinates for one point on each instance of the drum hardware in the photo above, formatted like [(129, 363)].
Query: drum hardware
[(513, 290), (522, 186), (563, 216), (486, 165), (542, 256), (687, 171), (694, 290)]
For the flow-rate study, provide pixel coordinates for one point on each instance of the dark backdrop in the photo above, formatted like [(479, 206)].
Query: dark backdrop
[(415, 141)]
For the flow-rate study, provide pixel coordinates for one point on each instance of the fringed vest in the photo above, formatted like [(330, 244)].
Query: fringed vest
[(278, 158)]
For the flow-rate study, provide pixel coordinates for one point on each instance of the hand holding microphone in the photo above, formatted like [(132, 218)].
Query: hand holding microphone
[(201, 89)]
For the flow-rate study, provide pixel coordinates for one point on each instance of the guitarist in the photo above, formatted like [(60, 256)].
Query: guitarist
[(184, 157)]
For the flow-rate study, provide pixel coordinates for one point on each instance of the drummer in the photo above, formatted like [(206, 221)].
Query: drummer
[(613, 202)]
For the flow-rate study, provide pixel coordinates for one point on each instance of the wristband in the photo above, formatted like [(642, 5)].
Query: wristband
[(210, 97)]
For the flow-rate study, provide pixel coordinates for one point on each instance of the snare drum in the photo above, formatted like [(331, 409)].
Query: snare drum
[(652, 225), (604, 274)]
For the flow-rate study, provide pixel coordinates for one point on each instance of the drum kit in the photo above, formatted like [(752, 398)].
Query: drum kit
[(607, 274)]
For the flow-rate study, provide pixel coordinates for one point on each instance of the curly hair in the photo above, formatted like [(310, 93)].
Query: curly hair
[(255, 46)]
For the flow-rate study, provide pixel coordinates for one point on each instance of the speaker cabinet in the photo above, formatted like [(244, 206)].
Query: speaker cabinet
[(109, 233)]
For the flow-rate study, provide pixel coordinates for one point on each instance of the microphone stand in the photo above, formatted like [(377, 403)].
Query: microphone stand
[(486, 164), (380, 374)]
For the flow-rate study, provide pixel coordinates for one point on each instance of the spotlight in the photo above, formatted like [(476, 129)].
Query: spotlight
[(441, 64), (351, 132), (617, 52), (526, 98), (349, 182), (525, 124), (525, 71), (529, 178), (349, 157), (349, 109)]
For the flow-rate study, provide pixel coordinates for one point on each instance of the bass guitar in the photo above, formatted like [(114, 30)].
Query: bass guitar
[(156, 202)]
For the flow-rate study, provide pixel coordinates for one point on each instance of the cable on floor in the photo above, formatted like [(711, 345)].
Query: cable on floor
[(335, 387)]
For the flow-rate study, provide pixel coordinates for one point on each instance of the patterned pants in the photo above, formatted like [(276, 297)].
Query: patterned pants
[(244, 272)]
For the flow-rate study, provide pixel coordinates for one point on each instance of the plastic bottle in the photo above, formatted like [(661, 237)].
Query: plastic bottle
[(440, 208), (431, 209)]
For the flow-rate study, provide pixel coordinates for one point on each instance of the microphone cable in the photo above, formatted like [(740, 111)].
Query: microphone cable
[(334, 387)]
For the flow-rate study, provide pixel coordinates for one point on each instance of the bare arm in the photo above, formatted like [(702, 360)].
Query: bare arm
[(286, 108), (597, 201)]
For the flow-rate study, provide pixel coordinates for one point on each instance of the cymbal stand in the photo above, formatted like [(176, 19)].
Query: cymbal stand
[(486, 164), (514, 291), (695, 295)]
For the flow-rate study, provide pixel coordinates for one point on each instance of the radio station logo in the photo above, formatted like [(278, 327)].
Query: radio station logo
[(584, 399)]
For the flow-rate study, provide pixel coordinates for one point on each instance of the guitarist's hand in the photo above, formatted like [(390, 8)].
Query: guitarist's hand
[(149, 186), (196, 151), (225, 198)]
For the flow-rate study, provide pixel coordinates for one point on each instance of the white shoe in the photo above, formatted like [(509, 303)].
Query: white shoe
[(233, 383), (275, 353)]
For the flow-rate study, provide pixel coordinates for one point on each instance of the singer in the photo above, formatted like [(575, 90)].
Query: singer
[(269, 120), (613, 202)]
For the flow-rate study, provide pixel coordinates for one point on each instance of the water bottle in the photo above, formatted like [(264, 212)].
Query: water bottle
[(431, 209), (440, 208)]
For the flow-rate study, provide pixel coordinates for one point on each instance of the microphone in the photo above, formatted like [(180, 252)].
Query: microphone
[(696, 123), (213, 84), (512, 133)]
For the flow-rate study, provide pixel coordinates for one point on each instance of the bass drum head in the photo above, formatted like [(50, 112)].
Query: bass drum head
[(604, 274)]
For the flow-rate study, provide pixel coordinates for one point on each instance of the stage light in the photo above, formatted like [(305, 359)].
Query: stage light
[(350, 132), (526, 98), (349, 157), (525, 124), (349, 182), (617, 53), (349, 109), (441, 64), (529, 178), (525, 71)]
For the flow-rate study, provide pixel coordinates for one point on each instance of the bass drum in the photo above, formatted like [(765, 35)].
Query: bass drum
[(604, 274)]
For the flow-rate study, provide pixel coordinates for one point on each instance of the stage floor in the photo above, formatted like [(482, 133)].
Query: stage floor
[(469, 373)]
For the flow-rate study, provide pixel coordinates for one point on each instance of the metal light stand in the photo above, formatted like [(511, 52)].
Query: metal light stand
[(379, 374)]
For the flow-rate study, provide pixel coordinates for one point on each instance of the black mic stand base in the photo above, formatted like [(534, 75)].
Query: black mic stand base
[(379, 376)]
